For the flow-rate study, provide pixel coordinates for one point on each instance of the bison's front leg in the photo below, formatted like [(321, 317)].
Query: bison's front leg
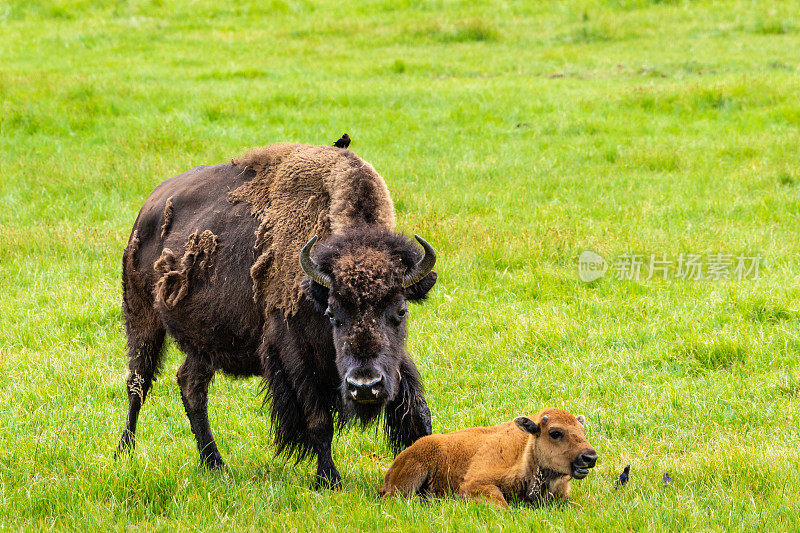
[(407, 415), (321, 436), (300, 405)]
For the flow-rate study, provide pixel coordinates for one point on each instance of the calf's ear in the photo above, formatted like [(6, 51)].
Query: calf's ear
[(419, 291), (581, 420), (527, 425)]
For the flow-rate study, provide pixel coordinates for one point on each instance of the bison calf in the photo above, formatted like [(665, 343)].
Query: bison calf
[(525, 459)]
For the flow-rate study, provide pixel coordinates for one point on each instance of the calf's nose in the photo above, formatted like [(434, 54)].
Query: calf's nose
[(365, 389), (589, 458)]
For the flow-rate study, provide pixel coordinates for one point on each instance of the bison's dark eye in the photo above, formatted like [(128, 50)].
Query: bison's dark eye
[(334, 321), (555, 435), (400, 314)]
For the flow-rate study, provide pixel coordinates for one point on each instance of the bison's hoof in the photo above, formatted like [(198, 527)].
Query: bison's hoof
[(126, 444), (328, 480), (214, 462)]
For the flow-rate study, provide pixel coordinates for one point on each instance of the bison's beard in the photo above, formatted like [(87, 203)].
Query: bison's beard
[(362, 413)]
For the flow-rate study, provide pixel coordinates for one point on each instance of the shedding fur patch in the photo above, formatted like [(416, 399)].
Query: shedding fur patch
[(133, 247), (168, 213), (300, 191), (173, 285), (136, 385), (129, 267)]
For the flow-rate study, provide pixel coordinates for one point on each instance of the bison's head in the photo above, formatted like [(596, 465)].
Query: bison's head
[(362, 281), (558, 443)]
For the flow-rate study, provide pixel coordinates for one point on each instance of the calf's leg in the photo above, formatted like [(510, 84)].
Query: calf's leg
[(560, 488), (405, 477), (483, 491), (194, 375)]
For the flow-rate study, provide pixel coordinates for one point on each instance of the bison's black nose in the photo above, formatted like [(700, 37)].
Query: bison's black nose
[(589, 458), (366, 389)]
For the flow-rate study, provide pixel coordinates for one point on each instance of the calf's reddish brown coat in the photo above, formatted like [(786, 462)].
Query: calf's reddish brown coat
[(525, 459)]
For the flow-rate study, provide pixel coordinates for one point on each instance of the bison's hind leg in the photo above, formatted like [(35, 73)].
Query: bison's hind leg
[(194, 376), (145, 344)]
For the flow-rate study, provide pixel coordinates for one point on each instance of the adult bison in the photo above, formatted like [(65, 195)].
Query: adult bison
[(217, 259)]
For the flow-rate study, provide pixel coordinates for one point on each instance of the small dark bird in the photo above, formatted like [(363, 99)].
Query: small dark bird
[(344, 142), (623, 477), (666, 480)]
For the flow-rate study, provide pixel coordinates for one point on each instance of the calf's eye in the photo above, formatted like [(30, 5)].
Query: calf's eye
[(555, 435)]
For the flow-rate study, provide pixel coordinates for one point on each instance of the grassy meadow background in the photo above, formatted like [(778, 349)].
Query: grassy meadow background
[(513, 136)]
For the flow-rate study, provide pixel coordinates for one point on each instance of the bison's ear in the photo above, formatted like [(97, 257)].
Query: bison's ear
[(581, 420), (527, 425), (419, 291), (317, 293)]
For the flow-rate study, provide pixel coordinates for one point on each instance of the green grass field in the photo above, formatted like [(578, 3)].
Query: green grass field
[(513, 136)]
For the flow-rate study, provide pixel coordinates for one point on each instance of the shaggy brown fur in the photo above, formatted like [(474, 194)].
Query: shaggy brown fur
[(133, 246), (213, 261), (168, 212), (301, 190), (174, 282), (522, 460)]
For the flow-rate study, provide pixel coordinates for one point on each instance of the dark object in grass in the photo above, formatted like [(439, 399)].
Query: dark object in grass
[(623, 477), (666, 480), (343, 142), (215, 260)]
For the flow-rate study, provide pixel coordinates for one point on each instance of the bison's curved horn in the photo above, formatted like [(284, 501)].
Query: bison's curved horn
[(424, 266), (311, 268)]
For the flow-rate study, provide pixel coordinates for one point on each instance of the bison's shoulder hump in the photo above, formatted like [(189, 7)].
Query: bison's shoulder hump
[(300, 191)]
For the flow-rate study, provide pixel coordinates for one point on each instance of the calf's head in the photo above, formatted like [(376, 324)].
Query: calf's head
[(558, 442), (362, 281)]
